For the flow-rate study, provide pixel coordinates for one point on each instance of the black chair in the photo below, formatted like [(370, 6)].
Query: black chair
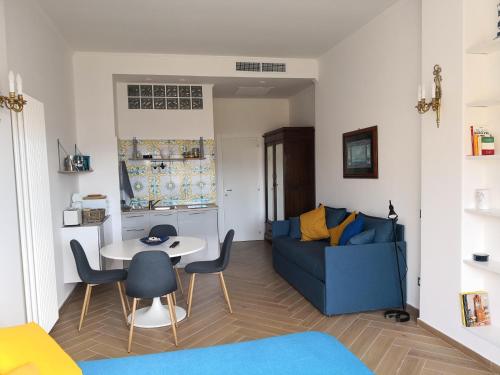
[(93, 277), (151, 275), (212, 266), (167, 230)]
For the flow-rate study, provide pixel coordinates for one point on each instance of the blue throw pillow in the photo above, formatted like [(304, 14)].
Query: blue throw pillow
[(383, 227), (366, 237), (334, 216), (295, 228), (354, 228)]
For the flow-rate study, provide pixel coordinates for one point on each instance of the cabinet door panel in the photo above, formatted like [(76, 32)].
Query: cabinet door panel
[(201, 224), (280, 190), (131, 233), (164, 218), (135, 220), (270, 183)]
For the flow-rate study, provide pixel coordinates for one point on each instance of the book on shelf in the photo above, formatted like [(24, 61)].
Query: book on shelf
[(475, 309), (482, 142)]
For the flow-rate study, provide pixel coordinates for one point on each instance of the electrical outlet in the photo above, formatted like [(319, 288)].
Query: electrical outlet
[(418, 281)]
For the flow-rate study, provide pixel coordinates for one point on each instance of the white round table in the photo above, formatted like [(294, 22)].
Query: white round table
[(157, 314)]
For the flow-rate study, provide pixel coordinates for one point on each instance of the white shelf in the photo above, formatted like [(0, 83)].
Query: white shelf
[(484, 103), (488, 333), (491, 266), (482, 157), (492, 212), (485, 48)]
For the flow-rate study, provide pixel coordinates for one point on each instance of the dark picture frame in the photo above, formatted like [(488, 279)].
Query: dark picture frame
[(360, 153)]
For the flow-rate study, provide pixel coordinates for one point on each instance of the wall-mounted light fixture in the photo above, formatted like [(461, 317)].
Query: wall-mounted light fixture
[(435, 104), (14, 102)]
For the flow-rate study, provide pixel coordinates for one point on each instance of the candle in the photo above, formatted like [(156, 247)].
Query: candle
[(423, 91), (19, 82), (11, 82), (433, 90)]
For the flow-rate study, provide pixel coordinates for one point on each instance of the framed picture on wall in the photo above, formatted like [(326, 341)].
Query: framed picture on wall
[(360, 149)]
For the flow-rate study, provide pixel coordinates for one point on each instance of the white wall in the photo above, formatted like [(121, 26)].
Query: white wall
[(11, 278), (249, 117), (95, 120), (37, 51), (369, 79), (302, 108), (246, 117), (164, 124)]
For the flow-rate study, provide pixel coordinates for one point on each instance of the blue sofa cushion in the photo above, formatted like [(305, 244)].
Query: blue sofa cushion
[(366, 237), (334, 216), (352, 229), (383, 227), (311, 353), (295, 228), (308, 255)]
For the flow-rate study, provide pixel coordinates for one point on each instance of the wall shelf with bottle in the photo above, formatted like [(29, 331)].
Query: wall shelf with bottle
[(75, 163), (195, 153)]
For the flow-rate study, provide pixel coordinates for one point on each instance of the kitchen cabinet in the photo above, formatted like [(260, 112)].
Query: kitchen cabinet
[(92, 237), (200, 223), (289, 173)]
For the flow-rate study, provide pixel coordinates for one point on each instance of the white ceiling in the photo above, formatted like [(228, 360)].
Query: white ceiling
[(230, 87), (269, 28)]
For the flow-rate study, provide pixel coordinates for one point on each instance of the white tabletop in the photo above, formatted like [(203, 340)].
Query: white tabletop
[(125, 250)]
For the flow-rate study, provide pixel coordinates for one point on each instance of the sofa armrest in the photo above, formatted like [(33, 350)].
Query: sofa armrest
[(281, 228), (363, 277)]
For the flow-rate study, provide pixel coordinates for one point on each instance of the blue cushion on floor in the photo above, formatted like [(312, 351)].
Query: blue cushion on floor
[(383, 227), (334, 216), (311, 353), (308, 255), (352, 229), (295, 228), (366, 237)]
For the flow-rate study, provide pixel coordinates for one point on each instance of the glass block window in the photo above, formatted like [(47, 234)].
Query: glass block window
[(160, 97)]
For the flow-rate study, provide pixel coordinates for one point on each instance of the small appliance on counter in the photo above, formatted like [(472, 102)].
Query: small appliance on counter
[(72, 217)]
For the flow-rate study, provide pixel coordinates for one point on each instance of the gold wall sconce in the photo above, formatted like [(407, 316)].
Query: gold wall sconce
[(435, 104), (14, 102)]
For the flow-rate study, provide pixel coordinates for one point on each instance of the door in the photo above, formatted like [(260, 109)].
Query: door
[(243, 199)]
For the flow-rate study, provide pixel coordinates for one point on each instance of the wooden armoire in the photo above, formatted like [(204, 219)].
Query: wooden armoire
[(289, 173)]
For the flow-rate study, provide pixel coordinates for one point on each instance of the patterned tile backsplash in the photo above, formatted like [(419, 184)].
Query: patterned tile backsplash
[(173, 182)]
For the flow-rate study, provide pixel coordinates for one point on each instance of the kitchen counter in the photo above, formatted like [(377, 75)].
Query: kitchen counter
[(180, 208)]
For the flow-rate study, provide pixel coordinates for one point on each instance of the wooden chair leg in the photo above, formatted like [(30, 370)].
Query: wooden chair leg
[(122, 300), (132, 321), (88, 301), (174, 298), (84, 306), (175, 304), (190, 297), (179, 280), (126, 298), (172, 317), (224, 289)]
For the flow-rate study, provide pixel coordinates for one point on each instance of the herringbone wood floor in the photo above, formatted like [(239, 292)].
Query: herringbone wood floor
[(264, 305)]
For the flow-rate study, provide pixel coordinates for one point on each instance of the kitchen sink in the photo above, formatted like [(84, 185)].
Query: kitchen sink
[(163, 208)]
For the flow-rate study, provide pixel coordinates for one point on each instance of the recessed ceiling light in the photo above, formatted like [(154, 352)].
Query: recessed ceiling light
[(262, 81), (182, 80), (148, 79)]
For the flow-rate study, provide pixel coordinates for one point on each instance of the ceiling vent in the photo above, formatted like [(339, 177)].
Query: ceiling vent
[(248, 67), (272, 67)]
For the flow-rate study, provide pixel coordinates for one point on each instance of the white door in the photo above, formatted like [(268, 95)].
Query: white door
[(243, 202)]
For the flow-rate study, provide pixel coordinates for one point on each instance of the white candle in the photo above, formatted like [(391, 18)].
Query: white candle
[(11, 82), (433, 90), (19, 82), (423, 91)]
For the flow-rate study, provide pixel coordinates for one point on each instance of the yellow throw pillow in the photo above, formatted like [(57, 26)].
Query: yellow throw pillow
[(29, 343), (313, 225), (336, 232), (27, 369)]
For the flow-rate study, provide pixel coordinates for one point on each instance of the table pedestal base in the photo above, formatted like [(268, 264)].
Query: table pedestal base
[(156, 315)]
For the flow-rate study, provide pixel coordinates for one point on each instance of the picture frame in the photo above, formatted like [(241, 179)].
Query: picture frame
[(360, 153)]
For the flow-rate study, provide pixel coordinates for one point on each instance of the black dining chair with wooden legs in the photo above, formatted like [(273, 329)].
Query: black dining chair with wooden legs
[(93, 277), (212, 266), (151, 275), (167, 230)]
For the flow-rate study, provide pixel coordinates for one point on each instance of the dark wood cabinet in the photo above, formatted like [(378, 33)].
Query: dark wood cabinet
[(289, 173)]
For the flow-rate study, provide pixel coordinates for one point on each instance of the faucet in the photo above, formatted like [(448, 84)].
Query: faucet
[(152, 204)]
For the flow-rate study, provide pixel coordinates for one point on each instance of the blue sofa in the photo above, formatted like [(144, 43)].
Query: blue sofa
[(341, 279)]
